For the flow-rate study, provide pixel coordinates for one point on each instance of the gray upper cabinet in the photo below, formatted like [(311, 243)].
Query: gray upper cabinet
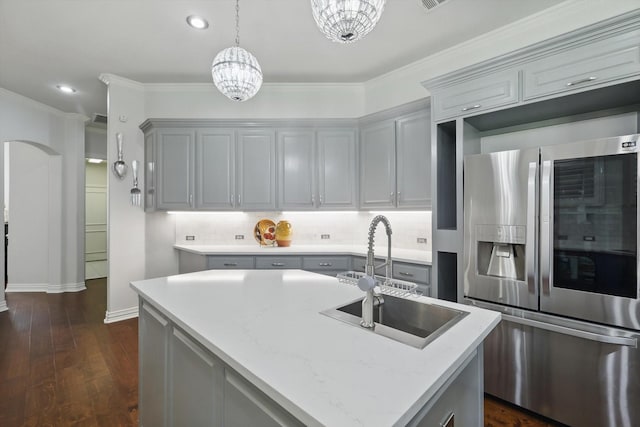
[(413, 151), (337, 169), (317, 169), (215, 169), (296, 177), (174, 171), (476, 95), (582, 67), (395, 163), (256, 176), (378, 165)]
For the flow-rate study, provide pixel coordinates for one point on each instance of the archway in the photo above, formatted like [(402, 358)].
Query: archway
[(35, 217)]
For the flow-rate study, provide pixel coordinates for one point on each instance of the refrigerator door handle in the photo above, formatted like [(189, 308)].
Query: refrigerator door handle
[(592, 336), (531, 250), (545, 227)]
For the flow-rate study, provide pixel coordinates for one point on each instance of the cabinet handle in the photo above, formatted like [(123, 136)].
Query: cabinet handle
[(239, 200), (321, 200), (231, 200), (471, 107), (191, 200), (325, 264), (448, 420), (405, 274), (391, 196), (277, 264), (230, 264), (577, 82), (313, 200)]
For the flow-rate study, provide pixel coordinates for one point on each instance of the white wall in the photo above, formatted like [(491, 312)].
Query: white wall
[(62, 135), (403, 85), (126, 223), (274, 100), (28, 257)]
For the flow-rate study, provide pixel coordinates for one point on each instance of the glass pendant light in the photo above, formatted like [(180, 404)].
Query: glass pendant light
[(346, 21), (236, 72)]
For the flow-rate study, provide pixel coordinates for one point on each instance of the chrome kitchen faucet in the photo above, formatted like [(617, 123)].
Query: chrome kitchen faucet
[(368, 283)]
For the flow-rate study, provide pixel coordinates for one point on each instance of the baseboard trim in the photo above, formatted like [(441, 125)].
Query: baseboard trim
[(66, 287), (45, 287), (119, 315), (27, 287), (3, 306)]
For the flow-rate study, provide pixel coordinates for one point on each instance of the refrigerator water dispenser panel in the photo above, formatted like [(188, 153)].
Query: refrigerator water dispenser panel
[(501, 251)]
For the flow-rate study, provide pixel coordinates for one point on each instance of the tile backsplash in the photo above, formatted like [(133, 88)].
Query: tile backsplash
[(343, 228)]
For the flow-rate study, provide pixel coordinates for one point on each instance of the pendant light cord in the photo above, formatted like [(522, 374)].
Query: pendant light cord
[(237, 22)]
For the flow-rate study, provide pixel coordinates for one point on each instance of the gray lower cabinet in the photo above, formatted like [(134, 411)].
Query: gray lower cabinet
[(256, 181), (230, 262), (327, 265), (459, 402), (154, 356), (195, 378), (414, 273), (184, 384), (174, 172), (278, 262)]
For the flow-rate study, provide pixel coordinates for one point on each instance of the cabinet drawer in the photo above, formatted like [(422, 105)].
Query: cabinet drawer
[(275, 262), (221, 263), (320, 263), (585, 66), (476, 95), (411, 272)]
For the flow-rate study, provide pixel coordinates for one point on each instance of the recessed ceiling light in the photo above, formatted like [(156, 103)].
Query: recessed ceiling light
[(197, 22), (66, 89)]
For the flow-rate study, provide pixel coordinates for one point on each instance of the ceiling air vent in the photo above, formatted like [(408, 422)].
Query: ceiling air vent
[(430, 4), (99, 119)]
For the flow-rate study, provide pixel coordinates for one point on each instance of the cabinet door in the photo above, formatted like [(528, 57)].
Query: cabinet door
[(215, 169), (378, 165), (196, 384), (337, 169), (413, 151), (296, 171), (245, 405), (175, 169), (149, 172), (154, 349), (480, 94), (256, 188), (582, 67)]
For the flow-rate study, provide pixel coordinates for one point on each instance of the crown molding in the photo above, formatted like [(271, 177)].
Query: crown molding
[(109, 79)]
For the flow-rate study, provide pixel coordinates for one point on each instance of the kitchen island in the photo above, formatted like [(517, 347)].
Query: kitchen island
[(250, 347)]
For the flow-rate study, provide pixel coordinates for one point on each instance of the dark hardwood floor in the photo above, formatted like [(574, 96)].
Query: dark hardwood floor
[(60, 365)]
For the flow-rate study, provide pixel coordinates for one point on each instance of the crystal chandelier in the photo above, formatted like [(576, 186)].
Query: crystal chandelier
[(346, 21), (236, 72)]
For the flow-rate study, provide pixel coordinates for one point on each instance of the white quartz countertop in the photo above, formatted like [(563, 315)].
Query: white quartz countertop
[(266, 324), (406, 255)]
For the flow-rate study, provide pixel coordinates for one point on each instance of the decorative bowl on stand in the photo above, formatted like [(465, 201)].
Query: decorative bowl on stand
[(265, 232)]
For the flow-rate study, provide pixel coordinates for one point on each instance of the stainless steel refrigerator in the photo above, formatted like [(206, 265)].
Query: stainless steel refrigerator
[(551, 241)]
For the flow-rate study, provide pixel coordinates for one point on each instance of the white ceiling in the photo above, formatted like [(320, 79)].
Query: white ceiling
[(47, 42)]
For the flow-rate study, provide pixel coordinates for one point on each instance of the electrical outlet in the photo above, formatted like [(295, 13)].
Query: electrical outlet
[(325, 236), (239, 236), (422, 240), (190, 237)]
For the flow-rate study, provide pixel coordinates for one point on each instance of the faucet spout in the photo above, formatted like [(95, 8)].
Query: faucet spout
[(367, 284)]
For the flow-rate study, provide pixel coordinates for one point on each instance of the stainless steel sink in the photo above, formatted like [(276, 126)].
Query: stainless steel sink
[(407, 321)]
